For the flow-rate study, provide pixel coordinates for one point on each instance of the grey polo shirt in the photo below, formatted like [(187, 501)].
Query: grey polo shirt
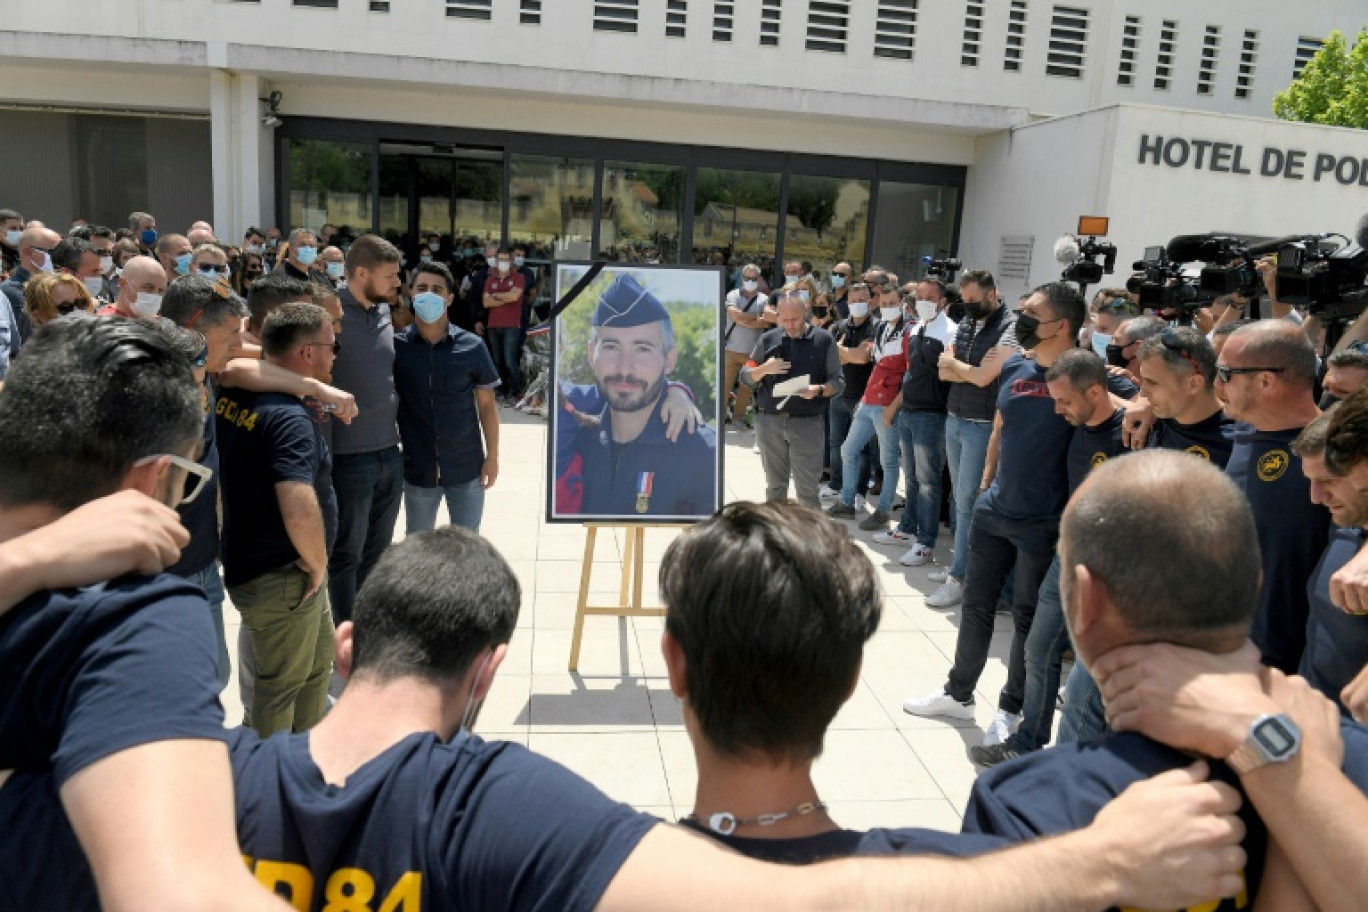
[(742, 338), (365, 368)]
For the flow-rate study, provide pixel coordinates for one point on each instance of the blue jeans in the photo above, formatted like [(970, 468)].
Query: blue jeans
[(922, 435), (866, 423), (369, 488), (505, 347), (841, 411), (1084, 717), (465, 506), (1045, 646), (966, 450), (209, 580)]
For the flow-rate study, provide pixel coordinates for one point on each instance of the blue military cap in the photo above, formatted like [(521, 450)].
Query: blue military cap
[(626, 303)]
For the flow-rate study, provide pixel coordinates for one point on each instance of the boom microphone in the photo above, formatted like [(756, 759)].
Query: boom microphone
[(1066, 249), (1277, 244), (1188, 247)]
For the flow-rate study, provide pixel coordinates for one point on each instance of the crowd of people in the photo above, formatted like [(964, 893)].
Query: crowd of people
[(161, 419)]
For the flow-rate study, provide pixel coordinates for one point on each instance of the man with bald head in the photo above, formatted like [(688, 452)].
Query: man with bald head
[(174, 252), (200, 233), (35, 248), (1191, 580), (1264, 379), (141, 286)]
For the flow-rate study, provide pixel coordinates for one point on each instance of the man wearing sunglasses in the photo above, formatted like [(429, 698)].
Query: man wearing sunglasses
[(1177, 370), (35, 248), (1265, 380), (279, 515)]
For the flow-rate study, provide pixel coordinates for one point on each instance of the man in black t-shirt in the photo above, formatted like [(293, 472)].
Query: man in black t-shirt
[(1265, 380), (1177, 370), (109, 691), (854, 335), (1191, 580), (279, 513)]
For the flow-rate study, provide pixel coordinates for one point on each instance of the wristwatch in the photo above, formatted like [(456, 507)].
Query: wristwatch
[(1271, 739)]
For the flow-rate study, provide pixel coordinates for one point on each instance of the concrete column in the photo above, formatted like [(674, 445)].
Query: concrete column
[(236, 137)]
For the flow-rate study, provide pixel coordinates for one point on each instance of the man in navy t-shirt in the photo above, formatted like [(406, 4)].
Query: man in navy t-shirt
[(389, 802), (279, 513), (1265, 381), (1192, 579), (1078, 384), (1015, 523), (109, 691), (1177, 371)]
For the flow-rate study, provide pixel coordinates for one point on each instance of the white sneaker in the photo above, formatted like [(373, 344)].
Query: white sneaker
[(938, 703), (916, 556), (950, 594), (893, 537), (1001, 728), (939, 575), (828, 493), (860, 503), (756, 447)]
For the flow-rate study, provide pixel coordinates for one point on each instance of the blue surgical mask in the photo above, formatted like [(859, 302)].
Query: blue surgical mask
[(837, 281), (803, 296), (336, 270), (13, 236), (1100, 341), (148, 237), (183, 263), (306, 255), (428, 306), (519, 261)]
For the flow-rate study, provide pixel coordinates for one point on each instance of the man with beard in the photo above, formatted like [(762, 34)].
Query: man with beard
[(624, 463)]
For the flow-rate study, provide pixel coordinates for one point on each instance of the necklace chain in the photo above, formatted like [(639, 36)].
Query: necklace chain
[(725, 822)]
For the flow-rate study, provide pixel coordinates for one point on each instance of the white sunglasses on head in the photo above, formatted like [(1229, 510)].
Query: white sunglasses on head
[(199, 473)]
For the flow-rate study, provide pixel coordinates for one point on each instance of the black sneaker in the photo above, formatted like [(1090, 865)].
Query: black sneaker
[(992, 755), (840, 510)]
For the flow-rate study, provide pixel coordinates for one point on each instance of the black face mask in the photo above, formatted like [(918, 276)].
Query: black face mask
[(976, 310), (1027, 331), (819, 311), (1114, 356), (955, 312)]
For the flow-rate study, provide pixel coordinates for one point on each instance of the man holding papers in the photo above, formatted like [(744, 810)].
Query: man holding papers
[(796, 368)]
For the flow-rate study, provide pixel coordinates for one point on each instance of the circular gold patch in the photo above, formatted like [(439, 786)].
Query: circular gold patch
[(1272, 465)]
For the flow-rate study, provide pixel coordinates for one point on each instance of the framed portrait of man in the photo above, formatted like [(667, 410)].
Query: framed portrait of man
[(636, 399)]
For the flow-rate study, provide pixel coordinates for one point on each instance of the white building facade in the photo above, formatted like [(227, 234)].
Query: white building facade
[(866, 130)]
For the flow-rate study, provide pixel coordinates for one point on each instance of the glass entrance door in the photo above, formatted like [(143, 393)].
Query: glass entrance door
[(439, 195)]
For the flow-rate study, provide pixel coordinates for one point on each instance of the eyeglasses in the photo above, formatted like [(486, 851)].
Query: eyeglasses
[(211, 268), (1174, 344), (335, 345), (66, 307), (1225, 373), (200, 474)]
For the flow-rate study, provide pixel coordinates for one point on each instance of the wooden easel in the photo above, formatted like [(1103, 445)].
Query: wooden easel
[(629, 592)]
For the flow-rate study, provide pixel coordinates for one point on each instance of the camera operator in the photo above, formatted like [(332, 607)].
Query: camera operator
[(1265, 379), (983, 341), (1345, 372), (1336, 656), (1177, 376)]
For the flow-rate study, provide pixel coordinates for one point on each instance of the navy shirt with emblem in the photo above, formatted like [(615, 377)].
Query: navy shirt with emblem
[(1211, 438), (648, 476), (85, 673), (465, 825), (1093, 446), (1292, 531), (801, 850), (1336, 641), (439, 423), (1062, 789), (266, 439)]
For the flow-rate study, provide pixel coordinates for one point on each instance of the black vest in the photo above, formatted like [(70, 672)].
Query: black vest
[(807, 355), (978, 403)]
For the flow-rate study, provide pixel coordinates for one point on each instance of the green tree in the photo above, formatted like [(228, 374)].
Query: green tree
[(1332, 88)]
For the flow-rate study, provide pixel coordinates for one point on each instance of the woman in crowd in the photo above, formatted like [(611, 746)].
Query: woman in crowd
[(56, 294)]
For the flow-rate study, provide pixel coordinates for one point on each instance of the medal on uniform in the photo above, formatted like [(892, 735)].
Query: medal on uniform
[(644, 484)]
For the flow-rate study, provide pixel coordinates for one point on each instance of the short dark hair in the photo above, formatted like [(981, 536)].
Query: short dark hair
[(195, 299), (370, 251), (68, 252), (432, 603), (432, 267), (1194, 572), (253, 230), (270, 291), (90, 397), (1280, 343), (1313, 438), (186, 342), (980, 277), (1066, 303), (1081, 367), (771, 604), (1350, 357), (1346, 442), (937, 281), (289, 325), (102, 232), (10, 214), (1182, 349)]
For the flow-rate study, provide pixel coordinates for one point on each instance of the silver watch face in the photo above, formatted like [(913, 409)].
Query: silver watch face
[(1274, 737)]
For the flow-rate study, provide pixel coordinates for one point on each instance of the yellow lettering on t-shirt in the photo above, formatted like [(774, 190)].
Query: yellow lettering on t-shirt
[(349, 890), (406, 895), (275, 874)]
